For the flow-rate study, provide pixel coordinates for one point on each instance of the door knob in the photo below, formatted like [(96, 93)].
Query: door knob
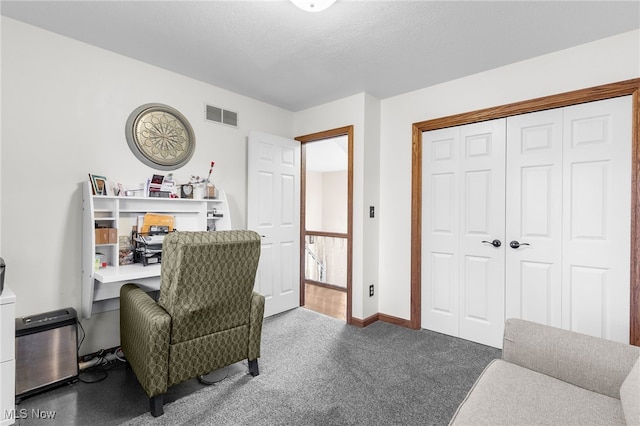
[(495, 243), (515, 244)]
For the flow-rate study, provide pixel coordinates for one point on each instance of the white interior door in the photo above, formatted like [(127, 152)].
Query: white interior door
[(440, 230), (464, 271), (482, 222), (534, 217), (597, 218), (274, 212)]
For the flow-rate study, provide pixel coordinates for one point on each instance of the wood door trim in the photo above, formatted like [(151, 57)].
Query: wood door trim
[(607, 91), (313, 137)]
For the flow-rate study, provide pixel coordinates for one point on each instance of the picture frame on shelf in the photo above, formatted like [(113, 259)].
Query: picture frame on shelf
[(98, 184)]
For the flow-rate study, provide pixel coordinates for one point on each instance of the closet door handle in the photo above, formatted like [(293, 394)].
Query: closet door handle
[(495, 243), (515, 244)]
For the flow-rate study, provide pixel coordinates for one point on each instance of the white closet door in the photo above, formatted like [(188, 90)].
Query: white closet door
[(463, 194), (440, 235), (534, 217), (482, 182), (597, 208), (567, 195)]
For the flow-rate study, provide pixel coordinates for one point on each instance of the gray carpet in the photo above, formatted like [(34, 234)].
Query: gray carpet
[(315, 370)]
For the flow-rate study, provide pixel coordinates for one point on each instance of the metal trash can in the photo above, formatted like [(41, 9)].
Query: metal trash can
[(46, 351)]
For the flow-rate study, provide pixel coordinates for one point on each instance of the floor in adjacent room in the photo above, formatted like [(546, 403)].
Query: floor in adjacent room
[(326, 301)]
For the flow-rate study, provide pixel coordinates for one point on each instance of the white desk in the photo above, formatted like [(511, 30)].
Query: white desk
[(101, 288)]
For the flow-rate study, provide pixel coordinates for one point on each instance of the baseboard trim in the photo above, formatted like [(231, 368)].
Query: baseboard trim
[(365, 322), (395, 320), (381, 317)]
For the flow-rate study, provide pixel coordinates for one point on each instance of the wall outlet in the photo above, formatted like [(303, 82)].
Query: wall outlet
[(371, 290)]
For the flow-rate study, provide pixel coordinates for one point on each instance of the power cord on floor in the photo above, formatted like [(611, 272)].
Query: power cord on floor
[(84, 334), (100, 370)]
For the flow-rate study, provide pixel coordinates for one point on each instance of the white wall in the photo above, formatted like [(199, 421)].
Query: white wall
[(371, 197), (359, 111), (1, 97), (313, 205), (604, 61), (64, 108), (334, 202), (326, 201)]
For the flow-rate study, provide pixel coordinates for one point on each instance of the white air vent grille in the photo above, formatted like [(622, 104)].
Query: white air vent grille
[(221, 116)]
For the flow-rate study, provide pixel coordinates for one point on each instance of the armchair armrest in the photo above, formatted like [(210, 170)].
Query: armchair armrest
[(255, 325), (145, 328), (589, 362)]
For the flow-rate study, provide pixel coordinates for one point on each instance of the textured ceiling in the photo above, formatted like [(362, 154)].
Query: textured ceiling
[(273, 52)]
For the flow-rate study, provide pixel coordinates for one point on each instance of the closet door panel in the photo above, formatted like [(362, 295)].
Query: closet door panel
[(588, 192), (477, 297), (534, 216), (537, 292), (588, 288), (442, 272), (440, 231), (443, 266), (597, 206), (482, 168)]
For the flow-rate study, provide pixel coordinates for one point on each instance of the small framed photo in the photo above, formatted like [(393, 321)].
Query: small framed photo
[(99, 184)]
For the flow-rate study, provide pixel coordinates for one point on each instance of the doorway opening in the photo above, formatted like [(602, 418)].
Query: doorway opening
[(326, 221)]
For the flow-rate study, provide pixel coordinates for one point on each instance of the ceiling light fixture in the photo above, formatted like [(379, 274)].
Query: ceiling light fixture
[(313, 5)]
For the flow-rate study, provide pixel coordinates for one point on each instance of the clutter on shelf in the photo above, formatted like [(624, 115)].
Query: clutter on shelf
[(157, 186), (147, 240), (161, 186), (125, 249)]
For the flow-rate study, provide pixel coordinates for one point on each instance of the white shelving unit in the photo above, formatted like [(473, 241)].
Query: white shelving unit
[(101, 288)]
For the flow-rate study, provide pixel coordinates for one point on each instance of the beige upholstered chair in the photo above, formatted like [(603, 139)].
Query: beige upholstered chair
[(207, 317)]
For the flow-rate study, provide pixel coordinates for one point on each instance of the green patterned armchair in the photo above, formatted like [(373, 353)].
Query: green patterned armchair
[(207, 317)]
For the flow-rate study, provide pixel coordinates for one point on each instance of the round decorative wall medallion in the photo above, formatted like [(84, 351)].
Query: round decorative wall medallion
[(160, 136)]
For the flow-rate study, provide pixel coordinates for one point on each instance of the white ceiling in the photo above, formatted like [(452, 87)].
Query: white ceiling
[(273, 52)]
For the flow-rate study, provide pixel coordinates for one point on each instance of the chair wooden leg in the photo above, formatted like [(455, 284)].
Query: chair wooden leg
[(253, 367), (155, 403)]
